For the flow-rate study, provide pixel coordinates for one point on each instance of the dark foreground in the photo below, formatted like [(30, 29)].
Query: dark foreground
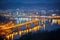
[(43, 35)]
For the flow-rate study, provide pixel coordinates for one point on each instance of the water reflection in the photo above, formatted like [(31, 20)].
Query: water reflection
[(46, 24), (51, 24)]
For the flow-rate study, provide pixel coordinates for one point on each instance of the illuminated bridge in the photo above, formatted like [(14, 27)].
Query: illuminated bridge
[(10, 31)]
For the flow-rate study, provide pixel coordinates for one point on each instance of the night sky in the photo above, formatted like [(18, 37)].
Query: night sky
[(50, 4)]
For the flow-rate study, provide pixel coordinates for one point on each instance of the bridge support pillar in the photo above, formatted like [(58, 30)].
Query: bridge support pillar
[(44, 26), (35, 23), (27, 27), (12, 37), (20, 33)]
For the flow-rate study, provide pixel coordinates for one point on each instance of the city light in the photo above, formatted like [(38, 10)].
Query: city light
[(22, 20)]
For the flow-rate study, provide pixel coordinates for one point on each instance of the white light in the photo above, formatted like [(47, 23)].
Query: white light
[(36, 12), (53, 14)]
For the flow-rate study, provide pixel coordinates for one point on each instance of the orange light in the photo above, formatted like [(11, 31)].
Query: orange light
[(58, 22), (30, 30), (7, 37)]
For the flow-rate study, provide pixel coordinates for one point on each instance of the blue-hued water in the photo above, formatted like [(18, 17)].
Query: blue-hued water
[(16, 36), (49, 27)]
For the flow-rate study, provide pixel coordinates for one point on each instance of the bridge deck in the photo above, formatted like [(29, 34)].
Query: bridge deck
[(18, 25)]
